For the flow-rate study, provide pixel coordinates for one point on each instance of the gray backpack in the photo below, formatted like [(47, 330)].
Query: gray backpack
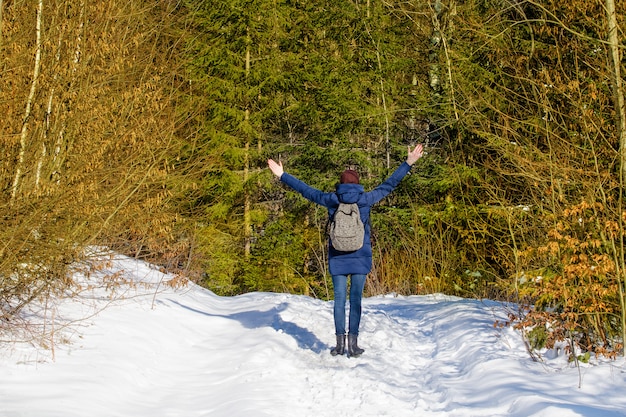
[(346, 228)]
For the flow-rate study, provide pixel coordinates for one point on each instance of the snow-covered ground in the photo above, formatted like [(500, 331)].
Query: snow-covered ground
[(152, 349)]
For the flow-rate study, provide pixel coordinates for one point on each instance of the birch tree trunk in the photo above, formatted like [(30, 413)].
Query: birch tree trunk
[(438, 41), (618, 97), (33, 88), (1, 8), (44, 148), (617, 81)]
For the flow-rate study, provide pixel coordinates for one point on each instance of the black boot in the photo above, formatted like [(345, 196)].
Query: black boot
[(354, 351), (340, 349)]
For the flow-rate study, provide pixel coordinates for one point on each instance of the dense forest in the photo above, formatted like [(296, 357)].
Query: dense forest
[(145, 127)]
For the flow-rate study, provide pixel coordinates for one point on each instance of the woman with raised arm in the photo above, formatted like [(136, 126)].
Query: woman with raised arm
[(356, 264)]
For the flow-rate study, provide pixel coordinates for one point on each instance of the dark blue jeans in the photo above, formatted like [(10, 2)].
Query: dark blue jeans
[(340, 283)]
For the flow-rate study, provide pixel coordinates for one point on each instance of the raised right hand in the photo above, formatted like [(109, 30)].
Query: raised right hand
[(276, 167)]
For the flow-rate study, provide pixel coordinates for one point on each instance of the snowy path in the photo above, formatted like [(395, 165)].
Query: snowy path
[(189, 353)]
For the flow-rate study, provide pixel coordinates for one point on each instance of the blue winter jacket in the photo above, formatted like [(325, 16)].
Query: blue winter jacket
[(360, 261)]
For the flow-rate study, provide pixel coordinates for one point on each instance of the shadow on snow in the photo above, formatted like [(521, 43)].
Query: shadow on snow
[(271, 318)]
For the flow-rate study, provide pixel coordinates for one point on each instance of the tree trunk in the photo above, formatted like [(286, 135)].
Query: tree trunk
[(247, 224), (384, 102), (1, 8), (46, 130), (618, 97), (61, 147), (29, 103), (617, 81), (438, 41)]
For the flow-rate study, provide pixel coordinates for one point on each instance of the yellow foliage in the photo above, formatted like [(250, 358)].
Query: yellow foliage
[(98, 139), (584, 293)]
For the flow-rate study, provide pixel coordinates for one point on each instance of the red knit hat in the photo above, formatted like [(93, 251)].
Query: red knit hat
[(349, 177)]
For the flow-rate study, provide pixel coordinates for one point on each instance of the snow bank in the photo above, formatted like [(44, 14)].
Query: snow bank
[(150, 348)]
